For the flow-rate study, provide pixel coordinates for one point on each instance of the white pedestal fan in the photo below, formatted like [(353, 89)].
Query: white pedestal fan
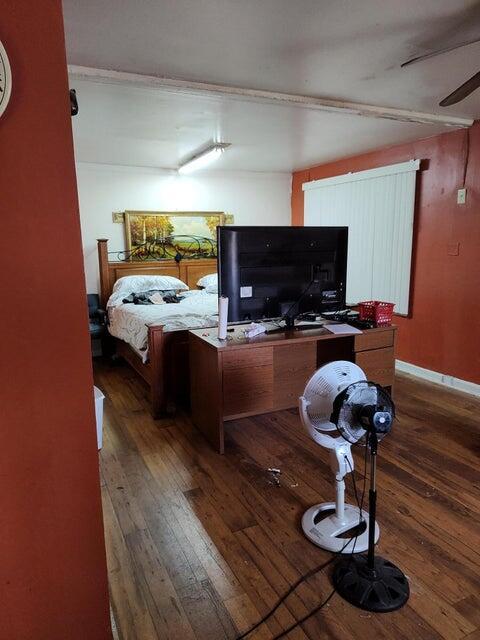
[(328, 524)]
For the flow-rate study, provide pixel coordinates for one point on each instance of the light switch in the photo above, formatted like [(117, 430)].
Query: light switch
[(461, 196)]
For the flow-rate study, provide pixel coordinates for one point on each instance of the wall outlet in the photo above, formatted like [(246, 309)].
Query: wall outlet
[(461, 196)]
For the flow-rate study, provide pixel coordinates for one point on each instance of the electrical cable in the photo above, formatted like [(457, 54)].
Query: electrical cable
[(305, 618), (360, 520), (315, 570), (354, 486), (302, 295), (466, 157), (296, 584), (365, 464)]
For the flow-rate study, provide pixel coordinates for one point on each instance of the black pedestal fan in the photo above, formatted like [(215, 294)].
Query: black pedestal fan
[(362, 413)]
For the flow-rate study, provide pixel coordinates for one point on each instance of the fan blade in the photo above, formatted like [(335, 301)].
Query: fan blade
[(462, 92), (432, 54)]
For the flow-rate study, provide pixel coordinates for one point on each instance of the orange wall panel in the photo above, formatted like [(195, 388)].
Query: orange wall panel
[(443, 330), (53, 582)]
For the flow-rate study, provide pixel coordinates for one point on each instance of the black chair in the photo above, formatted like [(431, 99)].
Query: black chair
[(96, 320)]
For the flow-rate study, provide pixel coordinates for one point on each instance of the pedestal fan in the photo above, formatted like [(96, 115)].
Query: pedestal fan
[(338, 397), (329, 525)]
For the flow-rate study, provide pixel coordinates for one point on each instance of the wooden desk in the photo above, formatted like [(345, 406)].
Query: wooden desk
[(243, 377)]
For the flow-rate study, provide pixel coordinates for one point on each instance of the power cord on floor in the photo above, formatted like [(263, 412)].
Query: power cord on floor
[(296, 584), (305, 618), (317, 569)]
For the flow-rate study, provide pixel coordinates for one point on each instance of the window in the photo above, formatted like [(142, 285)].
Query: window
[(377, 206)]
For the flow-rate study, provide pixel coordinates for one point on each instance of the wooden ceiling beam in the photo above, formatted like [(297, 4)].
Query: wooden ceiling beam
[(107, 76)]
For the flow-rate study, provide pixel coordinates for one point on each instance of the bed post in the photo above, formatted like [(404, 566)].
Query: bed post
[(156, 357), (102, 245)]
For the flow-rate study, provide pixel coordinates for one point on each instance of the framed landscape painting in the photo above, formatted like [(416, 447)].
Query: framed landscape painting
[(167, 234)]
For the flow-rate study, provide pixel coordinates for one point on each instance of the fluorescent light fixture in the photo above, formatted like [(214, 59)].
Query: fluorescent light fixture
[(203, 158)]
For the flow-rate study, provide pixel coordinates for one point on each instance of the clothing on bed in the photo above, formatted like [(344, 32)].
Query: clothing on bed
[(145, 297), (134, 284)]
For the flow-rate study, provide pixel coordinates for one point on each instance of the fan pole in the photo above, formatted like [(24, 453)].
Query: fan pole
[(368, 581), (372, 498)]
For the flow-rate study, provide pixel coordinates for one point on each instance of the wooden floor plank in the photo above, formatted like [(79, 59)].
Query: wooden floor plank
[(201, 546), (170, 619), (130, 609)]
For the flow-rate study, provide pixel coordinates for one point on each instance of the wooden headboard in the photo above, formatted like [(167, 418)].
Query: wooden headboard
[(187, 270)]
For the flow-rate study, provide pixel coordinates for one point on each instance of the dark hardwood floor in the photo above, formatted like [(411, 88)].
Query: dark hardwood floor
[(200, 546)]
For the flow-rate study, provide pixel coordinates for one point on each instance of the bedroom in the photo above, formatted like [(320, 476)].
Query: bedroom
[(167, 538)]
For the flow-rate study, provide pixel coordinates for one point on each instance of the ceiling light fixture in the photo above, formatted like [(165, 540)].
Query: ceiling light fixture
[(203, 158)]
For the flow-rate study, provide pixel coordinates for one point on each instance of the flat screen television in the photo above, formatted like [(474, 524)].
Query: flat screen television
[(281, 272)]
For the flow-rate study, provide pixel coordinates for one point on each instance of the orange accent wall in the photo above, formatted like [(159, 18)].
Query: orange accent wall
[(443, 331), (53, 583)]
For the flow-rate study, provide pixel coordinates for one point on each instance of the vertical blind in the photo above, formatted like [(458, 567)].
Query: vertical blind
[(377, 206)]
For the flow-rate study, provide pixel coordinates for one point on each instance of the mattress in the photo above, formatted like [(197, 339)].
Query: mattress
[(130, 322)]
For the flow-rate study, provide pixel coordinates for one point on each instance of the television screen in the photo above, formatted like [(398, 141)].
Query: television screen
[(271, 272)]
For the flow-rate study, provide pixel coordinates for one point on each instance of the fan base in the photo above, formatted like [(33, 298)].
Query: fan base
[(383, 589), (322, 527)]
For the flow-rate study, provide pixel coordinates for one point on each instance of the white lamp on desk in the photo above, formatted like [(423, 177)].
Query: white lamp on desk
[(222, 317)]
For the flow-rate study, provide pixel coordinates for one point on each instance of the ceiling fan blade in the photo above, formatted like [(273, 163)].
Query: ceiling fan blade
[(462, 92), (432, 54)]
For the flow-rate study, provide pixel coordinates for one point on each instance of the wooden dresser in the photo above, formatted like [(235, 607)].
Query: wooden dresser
[(242, 377)]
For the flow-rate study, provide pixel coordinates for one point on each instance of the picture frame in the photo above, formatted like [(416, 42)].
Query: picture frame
[(167, 234)]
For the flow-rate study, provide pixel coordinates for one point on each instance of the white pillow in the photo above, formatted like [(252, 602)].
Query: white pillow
[(206, 281), (134, 284), (211, 288)]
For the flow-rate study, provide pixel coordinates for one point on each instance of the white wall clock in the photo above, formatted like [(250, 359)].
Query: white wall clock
[(5, 79)]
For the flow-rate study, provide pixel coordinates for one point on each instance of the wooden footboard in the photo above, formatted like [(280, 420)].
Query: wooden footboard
[(151, 371), (167, 370), (158, 381)]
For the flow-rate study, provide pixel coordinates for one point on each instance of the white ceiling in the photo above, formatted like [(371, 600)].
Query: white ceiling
[(148, 127), (348, 50)]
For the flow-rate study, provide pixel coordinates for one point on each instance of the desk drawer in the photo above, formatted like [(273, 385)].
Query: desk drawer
[(247, 390), (292, 367), (374, 340), (378, 365), (246, 358)]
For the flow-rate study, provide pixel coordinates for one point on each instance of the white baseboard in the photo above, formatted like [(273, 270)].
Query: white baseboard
[(439, 378)]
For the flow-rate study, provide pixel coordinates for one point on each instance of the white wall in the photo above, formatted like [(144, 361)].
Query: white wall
[(253, 198)]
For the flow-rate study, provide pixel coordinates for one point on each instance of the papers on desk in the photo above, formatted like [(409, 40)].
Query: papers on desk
[(342, 329)]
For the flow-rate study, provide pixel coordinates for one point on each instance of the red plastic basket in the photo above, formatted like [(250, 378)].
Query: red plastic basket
[(379, 312)]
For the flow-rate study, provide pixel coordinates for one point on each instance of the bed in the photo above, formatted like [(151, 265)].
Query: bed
[(153, 339)]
